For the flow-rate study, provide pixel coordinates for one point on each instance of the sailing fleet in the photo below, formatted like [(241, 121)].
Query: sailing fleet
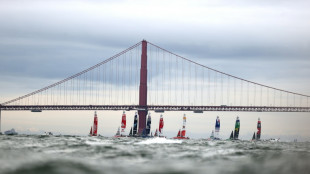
[(146, 133)]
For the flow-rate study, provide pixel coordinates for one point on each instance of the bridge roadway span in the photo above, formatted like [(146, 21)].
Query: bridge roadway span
[(156, 108)]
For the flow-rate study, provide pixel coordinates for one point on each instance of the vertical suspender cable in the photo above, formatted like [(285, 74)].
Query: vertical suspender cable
[(84, 88), (241, 94), (287, 99), (72, 92), (280, 98), (163, 78), (130, 71), (104, 84), (116, 87), (235, 103), (176, 73), (97, 85), (189, 81), (248, 94), (183, 82), (123, 79), (157, 59), (228, 89), (267, 96), (149, 86), (215, 82), (261, 96), (110, 81), (209, 88), (274, 97), (203, 84), (195, 67), (222, 89), (254, 94), (91, 81), (170, 79)]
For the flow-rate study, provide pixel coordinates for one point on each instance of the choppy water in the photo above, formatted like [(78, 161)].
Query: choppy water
[(91, 155)]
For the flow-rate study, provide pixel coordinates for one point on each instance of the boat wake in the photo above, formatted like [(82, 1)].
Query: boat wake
[(97, 143), (159, 140)]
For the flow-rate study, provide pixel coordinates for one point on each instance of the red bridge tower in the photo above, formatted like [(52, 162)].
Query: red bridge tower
[(143, 88)]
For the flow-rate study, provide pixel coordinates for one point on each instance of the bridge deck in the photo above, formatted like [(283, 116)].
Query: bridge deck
[(153, 108)]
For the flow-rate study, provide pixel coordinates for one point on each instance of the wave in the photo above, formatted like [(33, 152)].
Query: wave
[(32, 154), (159, 140)]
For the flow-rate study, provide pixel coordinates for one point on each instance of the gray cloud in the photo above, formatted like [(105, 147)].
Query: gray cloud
[(42, 42), (55, 39)]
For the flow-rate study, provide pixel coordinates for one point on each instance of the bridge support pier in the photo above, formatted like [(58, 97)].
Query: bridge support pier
[(0, 120), (143, 88)]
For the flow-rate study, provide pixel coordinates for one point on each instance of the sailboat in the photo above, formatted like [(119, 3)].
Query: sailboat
[(237, 128), (10, 132), (147, 131), (123, 126), (156, 134), (118, 133), (130, 133), (159, 131), (148, 124), (217, 128), (212, 136), (231, 135), (161, 127), (215, 136), (93, 129), (259, 128), (253, 138), (134, 131), (181, 133)]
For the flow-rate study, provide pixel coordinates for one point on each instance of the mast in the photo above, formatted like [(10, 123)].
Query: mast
[(217, 127), (259, 127), (237, 128), (143, 89)]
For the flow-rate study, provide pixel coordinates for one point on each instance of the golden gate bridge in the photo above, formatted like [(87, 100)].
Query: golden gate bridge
[(146, 77)]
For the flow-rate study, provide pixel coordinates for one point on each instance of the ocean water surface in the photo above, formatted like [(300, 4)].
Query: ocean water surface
[(95, 155)]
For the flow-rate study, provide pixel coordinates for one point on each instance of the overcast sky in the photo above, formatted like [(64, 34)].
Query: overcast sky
[(42, 42)]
